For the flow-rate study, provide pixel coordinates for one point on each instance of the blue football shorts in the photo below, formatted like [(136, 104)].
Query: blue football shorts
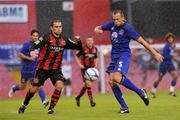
[(166, 67), (120, 64)]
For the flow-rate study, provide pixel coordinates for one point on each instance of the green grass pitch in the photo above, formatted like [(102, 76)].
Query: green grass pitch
[(164, 107)]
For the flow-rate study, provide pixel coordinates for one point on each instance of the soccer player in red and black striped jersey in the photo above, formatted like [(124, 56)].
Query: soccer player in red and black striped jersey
[(86, 58), (51, 47)]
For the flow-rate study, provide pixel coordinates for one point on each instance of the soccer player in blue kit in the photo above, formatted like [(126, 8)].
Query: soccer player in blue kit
[(121, 34), (28, 68), (167, 65)]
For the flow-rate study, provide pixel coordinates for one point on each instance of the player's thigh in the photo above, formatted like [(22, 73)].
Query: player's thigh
[(23, 86), (110, 68), (173, 74), (122, 65), (171, 67), (83, 74), (57, 78), (88, 83), (40, 77), (117, 76), (162, 69), (24, 78), (110, 81), (59, 85)]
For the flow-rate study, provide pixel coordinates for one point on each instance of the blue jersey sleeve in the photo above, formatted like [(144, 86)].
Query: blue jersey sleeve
[(132, 33), (24, 48), (107, 26)]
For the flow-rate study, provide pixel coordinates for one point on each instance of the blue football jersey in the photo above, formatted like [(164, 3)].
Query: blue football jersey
[(27, 67), (168, 52), (120, 38)]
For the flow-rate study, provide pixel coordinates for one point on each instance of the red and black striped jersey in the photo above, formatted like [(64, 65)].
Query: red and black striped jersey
[(88, 56), (51, 50)]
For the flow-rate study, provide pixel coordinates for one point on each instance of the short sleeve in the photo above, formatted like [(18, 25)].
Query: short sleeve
[(132, 33), (79, 53), (107, 26), (24, 48)]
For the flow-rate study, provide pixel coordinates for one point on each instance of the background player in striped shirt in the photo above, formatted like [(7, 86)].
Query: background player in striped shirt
[(86, 58)]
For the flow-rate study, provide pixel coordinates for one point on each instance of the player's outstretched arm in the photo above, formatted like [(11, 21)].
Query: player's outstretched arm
[(96, 62), (79, 62), (73, 43), (24, 57), (98, 30), (157, 55)]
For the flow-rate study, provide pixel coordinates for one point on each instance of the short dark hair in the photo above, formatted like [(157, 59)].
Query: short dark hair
[(118, 11), (34, 31), (169, 34), (53, 21)]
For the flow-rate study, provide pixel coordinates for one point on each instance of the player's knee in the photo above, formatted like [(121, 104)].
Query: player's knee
[(87, 84), (111, 83), (117, 78), (175, 77), (159, 78), (59, 85), (33, 89), (22, 86)]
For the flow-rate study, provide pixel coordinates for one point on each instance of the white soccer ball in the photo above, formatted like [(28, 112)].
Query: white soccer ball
[(92, 74)]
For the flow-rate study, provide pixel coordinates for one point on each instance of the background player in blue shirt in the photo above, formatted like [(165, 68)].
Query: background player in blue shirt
[(28, 67), (121, 34), (167, 65)]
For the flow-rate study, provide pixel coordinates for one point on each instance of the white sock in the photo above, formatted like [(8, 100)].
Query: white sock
[(153, 90), (172, 88)]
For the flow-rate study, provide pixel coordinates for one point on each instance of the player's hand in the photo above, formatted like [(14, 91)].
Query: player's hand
[(77, 38), (82, 66), (33, 55), (159, 57), (98, 30)]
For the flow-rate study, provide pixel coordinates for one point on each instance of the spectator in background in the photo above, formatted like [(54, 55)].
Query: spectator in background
[(28, 68), (86, 58), (167, 65)]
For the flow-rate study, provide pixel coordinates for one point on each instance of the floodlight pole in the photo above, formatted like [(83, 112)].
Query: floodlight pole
[(129, 10), (102, 72)]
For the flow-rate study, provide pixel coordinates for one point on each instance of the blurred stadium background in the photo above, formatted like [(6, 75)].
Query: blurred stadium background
[(151, 18)]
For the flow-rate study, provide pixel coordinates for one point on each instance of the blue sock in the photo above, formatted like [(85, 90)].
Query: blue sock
[(118, 94), (128, 84), (155, 84), (42, 94), (15, 87), (173, 82)]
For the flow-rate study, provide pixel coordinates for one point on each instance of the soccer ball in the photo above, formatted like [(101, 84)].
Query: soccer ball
[(92, 74)]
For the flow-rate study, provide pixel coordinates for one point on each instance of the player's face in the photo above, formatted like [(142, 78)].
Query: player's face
[(35, 36), (170, 39), (90, 42), (57, 28), (118, 19)]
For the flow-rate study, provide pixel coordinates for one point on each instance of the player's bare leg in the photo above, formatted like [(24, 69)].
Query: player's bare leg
[(173, 83), (28, 97), (77, 98), (55, 96), (88, 85), (15, 88), (121, 79), (155, 85)]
